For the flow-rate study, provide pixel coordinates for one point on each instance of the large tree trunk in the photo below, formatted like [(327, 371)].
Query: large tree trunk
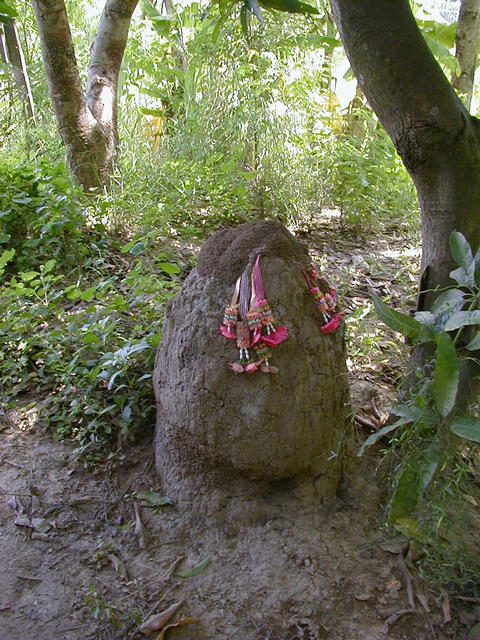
[(88, 124), (16, 59), (438, 140), (466, 48)]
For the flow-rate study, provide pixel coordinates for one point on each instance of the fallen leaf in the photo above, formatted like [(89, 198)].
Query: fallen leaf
[(15, 503), (362, 596), (23, 521), (40, 536), (396, 545), (422, 598), (154, 623), (447, 617), (139, 528), (193, 571), (119, 566), (40, 525), (180, 623), (152, 499)]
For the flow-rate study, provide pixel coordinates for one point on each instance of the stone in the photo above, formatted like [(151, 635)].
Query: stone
[(240, 434)]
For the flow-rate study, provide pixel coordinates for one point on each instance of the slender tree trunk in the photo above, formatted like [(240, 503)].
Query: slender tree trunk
[(466, 48), (16, 59), (87, 123)]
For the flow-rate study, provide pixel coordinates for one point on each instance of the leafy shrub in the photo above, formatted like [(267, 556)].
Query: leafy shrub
[(39, 215), (84, 337)]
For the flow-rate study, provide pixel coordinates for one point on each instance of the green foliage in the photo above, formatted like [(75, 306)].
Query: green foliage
[(433, 406), (8, 13), (86, 337), (39, 216)]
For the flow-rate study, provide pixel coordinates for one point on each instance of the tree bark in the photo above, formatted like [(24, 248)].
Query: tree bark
[(438, 141), (466, 48), (87, 123), (16, 59)]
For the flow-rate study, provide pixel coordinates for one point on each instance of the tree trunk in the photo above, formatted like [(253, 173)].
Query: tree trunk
[(466, 45), (88, 124), (16, 59), (438, 141)]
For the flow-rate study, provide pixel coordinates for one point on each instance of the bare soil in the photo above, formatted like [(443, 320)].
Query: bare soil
[(282, 568)]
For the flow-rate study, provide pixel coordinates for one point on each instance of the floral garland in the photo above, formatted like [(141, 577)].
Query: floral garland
[(326, 301), (248, 319), (252, 324)]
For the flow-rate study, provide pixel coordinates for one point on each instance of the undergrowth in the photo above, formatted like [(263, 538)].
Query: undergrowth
[(81, 313)]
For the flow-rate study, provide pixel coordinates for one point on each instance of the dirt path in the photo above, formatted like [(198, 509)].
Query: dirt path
[(86, 567)]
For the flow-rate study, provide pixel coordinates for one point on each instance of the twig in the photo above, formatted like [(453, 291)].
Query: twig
[(14, 464), (168, 573), (467, 599), (376, 412), (408, 580), (365, 422), (396, 616), (4, 608), (30, 578)]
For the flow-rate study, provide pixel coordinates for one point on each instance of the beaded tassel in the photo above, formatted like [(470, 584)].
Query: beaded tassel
[(252, 325), (325, 301)]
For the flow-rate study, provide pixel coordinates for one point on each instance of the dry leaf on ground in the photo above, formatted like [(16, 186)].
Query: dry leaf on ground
[(160, 620)]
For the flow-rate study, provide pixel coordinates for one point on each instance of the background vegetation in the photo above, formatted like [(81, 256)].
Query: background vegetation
[(216, 128)]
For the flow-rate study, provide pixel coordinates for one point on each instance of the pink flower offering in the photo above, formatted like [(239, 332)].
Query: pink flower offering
[(332, 325), (276, 337), (236, 367), (252, 367), (228, 332)]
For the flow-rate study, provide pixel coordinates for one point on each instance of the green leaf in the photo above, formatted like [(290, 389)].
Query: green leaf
[(461, 277), (400, 322), (169, 267), (188, 573), (411, 528), (377, 435), (432, 459), (462, 319), (450, 300), (151, 112), (467, 427), (407, 493), (445, 376), (26, 276), (6, 256), (153, 499), (8, 10), (48, 266), (292, 6), (474, 344), (415, 478), (87, 294), (462, 253), (138, 249)]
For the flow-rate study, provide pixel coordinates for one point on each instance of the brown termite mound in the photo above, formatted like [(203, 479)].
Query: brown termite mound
[(222, 434)]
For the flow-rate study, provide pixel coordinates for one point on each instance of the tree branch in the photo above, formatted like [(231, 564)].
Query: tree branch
[(466, 47)]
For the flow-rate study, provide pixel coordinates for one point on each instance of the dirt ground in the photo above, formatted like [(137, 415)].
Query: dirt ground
[(82, 558)]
